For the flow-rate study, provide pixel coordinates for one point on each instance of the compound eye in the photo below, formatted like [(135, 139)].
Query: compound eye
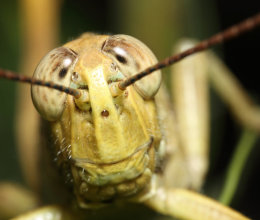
[(56, 67), (132, 56)]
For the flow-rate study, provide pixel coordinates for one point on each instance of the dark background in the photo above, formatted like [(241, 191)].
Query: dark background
[(242, 56), (141, 20)]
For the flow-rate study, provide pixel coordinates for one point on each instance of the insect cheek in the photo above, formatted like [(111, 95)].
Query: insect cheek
[(56, 67)]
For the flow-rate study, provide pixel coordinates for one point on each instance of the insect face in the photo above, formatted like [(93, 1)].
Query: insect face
[(109, 141)]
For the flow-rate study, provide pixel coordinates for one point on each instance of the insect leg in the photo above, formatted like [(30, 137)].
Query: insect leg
[(190, 94), (40, 22), (185, 204), (53, 212), (15, 199)]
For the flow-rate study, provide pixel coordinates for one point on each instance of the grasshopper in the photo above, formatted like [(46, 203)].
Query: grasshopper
[(114, 136)]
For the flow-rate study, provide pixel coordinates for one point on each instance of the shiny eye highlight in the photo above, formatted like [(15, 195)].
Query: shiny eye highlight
[(75, 76), (104, 113)]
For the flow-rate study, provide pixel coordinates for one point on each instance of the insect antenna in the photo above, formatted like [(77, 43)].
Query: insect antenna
[(6, 74), (118, 88), (232, 32)]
